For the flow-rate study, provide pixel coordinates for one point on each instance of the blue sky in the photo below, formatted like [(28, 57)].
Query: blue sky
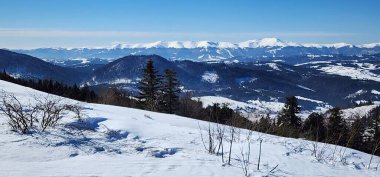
[(76, 23)]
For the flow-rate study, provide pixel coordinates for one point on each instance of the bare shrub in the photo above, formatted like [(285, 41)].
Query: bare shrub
[(209, 142), (244, 160), (42, 112), (51, 111), (77, 109), (20, 116), (232, 138), (375, 148), (220, 131)]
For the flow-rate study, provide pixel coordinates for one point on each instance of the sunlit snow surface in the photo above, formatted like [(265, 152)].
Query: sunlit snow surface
[(145, 143), (354, 73)]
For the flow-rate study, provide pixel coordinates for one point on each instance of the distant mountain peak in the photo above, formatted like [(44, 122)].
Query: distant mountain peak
[(266, 42), (371, 45)]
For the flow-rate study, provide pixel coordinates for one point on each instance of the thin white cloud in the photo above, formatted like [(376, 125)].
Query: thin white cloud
[(10, 32)]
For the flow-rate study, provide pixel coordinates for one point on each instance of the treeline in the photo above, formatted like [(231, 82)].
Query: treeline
[(54, 87), (360, 133)]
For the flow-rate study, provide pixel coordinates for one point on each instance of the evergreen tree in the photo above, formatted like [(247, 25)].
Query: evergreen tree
[(214, 113), (287, 116), (75, 92), (336, 127), (226, 113), (374, 122), (149, 86), (357, 130), (264, 124), (372, 132), (314, 127), (169, 91)]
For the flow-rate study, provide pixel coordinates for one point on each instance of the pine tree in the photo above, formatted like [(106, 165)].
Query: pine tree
[(226, 113), (149, 86), (169, 92), (287, 116), (264, 124), (214, 113), (75, 92), (357, 130), (336, 127), (314, 127), (372, 132), (374, 122), (85, 93)]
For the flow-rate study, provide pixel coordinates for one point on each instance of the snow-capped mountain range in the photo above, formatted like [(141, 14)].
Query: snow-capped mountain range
[(251, 50), (261, 43), (266, 42)]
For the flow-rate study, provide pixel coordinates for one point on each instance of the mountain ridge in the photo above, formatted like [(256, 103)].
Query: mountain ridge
[(206, 51), (25, 66), (253, 43)]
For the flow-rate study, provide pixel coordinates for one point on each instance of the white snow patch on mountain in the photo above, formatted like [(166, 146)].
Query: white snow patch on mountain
[(211, 100), (375, 92), (372, 45), (266, 42), (210, 76), (120, 81), (357, 112), (273, 66), (354, 73), (266, 107), (367, 66), (83, 60), (306, 88), (357, 93), (313, 62), (336, 45), (308, 99), (253, 109)]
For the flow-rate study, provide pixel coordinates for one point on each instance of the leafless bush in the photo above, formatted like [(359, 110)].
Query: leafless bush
[(244, 157), (209, 142), (375, 148), (20, 116), (318, 150), (220, 131), (51, 111), (46, 111), (244, 160), (232, 138), (77, 109)]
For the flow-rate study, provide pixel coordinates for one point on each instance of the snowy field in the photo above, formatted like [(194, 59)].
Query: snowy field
[(255, 109), (117, 141)]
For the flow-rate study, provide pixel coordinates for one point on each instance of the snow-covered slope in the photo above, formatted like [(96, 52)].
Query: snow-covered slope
[(353, 113), (255, 109), (145, 143)]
